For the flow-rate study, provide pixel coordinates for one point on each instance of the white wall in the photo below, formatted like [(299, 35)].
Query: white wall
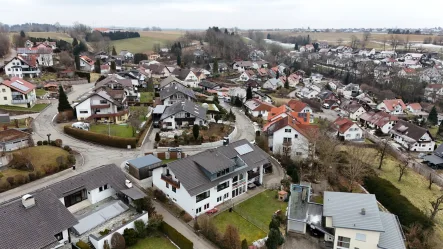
[(299, 144), (428, 144), (371, 242), (354, 132), (95, 195), (84, 106), (356, 114), (5, 92)]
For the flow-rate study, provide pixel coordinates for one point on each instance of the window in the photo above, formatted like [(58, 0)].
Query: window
[(102, 101), (59, 236), (3, 90), (100, 189), (174, 189), (226, 196), (202, 196), (106, 186), (296, 136), (167, 185), (288, 130), (222, 186), (83, 111), (298, 153), (198, 210), (287, 140), (206, 206), (219, 199), (5, 98), (343, 242), (223, 172), (360, 237)]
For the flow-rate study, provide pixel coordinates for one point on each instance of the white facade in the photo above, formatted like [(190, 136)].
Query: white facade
[(361, 239), (356, 114), (173, 122), (17, 68), (86, 108), (244, 77), (45, 60), (191, 80), (9, 96), (288, 136), (178, 97), (85, 66), (353, 133), (396, 111), (15, 144), (424, 144), (100, 193)]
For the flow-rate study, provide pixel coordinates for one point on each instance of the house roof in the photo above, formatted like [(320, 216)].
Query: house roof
[(126, 83), (296, 105), (175, 87), (392, 237), (302, 117), (274, 82), (12, 135), (19, 85), (415, 106), (392, 103), (351, 106), (87, 60), (263, 71), (181, 73), (189, 170), (208, 84), (141, 162), (346, 211), (243, 63), (104, 94), (156, 68), (168, 80), (36, 226), (30, 59), (275, 111), (257, 105), (280, 123), (409, 130), (342, 124), (186, 106), (379, 119), (159, 109)]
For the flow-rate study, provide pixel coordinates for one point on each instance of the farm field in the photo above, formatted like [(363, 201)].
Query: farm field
[(147, 40), (53, 35)]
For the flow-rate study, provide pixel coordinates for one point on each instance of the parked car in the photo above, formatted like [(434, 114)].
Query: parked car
[(81, 125), (212, 211), (326, 106), (174, 149)]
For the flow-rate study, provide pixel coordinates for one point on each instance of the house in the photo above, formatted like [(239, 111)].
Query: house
[(222, 67), (294, 79), (153, 57), (287, 136), (352, 109), (254, 84), (157, 70), (308, 48), (308, 93), (349, 91), (187, 77), (345, 129), (262, 96), (22, 66), (413, 56), (347, 220), (299, 106), (378, 120), (42, 53), (13, 139), (175, 92), (141, 167), (414, 108), (273, 84), (128, 55), (277, 112), (412, 137), (242, 66), (183, 114), (388, 54), (433, 92), (392, 106), (86, 64), (237, 92), (17, 92), (316, 78), (119, 88), (259, 64), (258, 108), (208, 85), (435, 160), (247, 75)]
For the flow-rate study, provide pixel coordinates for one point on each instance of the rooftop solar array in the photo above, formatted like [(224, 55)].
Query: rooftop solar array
[(18, 85), (244, 149)]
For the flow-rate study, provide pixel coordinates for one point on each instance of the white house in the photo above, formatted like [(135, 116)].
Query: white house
[(242, 66), (183, 114), (412, 137), (413, 56), (299, 106), (392, 106), (237, 92), (414, 108), (86, 64), (258, 108), (308, 93), (316, 78), (17, 92), (175, 92), (272, 84), (347, 130), (187, 77), (433, 92), (128, 55), (352, 109), (22, 66), (42, 53), (247, 75), (378, 120), (200, 182)]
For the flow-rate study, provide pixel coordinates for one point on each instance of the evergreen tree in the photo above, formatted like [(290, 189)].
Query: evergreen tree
[(113, 51), (97, 66), (268, 36), (196, 131), (275, 239), (249, 93), (179, 60), (440, 130), (77, 61), (226, 31), (63, 103), (215, 67), (347, 79), (113, 67), (244, 244), (275, 223), (433, 116), (157, 137), (287, 83), (22, 34), (277, 75), (74, 42), (308, 40), (296, 46)]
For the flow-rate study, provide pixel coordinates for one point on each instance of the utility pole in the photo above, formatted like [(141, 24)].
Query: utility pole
[(49, 138)]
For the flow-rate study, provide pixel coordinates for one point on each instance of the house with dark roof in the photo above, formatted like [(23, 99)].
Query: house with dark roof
[(345, 220), (183, 114), (242, 66), (352, 109), (222, 67), (435, 160), (187, 77), (203, 181), (378, 120), (412, 137), (22, 66), (17, 92), (208, 85), (346, 130), (175, 92), (157, 70)]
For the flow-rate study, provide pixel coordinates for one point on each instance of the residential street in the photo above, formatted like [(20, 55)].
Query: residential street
[(244, 125)]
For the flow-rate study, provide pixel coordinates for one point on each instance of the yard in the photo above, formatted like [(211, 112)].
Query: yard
[(246, 229), (40, 92), (146, 42), (154, 243), (112, 129), (35, 108), (141, 111), (146, 97)]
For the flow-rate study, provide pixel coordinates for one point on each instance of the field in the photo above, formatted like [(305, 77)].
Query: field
[(35, 108), (53, 35), (154, 243), (147, 40), (115, 130)]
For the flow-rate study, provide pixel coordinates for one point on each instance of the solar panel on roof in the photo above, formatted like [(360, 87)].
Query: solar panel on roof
[(243, 149), (20, 86)]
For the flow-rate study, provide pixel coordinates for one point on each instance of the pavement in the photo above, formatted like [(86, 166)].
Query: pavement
[(328, 114), (245, 128)]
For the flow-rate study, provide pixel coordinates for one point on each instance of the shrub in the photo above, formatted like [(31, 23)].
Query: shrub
[(1, 175), (53, 143), (58, 142), (4, 185), (160, 195), (20, 162), (104, 232), (39, 143), (67, 148), (130, 236), (71, 159), (82, 245), (144, 204), (187, 217), (155, 221), (140, 227), (10, 180), (176, 237), (45, 142), (389, 196), (208, 229), (21, 179), (113, 141), (32, 177), (118, 241)]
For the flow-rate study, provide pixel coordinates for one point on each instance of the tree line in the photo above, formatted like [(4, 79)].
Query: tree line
[(113, 36)]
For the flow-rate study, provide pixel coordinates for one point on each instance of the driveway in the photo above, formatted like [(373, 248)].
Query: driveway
[(328, 114)]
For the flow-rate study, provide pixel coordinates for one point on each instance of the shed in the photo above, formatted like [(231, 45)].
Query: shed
[(141, 168)]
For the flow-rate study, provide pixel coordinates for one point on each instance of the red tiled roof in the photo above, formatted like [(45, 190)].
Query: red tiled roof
[(296, 106), (342, 124), (308, 131), (274, 112), (301, 117), (263, 106), (409, 70), (20, 81), (101, 29), (379, 119), (391, 103), (87, 59), (415, 106)]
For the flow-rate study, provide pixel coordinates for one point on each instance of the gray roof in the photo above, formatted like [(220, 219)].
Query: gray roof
[(433, 159), (393, 237), (181, 73), (213, 161), (36, 226), (174, 88), (409, 130), (208, 84), (159, 109), (186, 106), (195, 181), (144, 161), (134, 193), (168, 80), (114, 79), (303, 210), (345, 210), (4, 118)]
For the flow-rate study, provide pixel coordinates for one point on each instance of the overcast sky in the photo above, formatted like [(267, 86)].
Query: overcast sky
[(245, 14)]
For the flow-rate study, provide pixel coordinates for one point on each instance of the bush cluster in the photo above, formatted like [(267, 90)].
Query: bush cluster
[(82, 245), (160, 195), (113, 141), (389, 196), (176, 237)]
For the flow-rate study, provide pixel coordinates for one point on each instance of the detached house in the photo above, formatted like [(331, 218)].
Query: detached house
[(352, 109), (247, 75), (17, 92), (42, 52), (183, 114), (299, 106), (22, 66), (414, 108), (434, 92), (347, 130), (412, 137), (157, 70), (378, 120), (203, 181), (86, 64), (258, 108), (175, 92), (273, 84), (392, 106), (187, 77), (242, 66), (101, 107)]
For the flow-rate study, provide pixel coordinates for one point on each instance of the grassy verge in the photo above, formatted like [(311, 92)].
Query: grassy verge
[(35, 108), (40, 92), (154, 243), (115, 130), (246, 229), (165, 161), (146, 97)]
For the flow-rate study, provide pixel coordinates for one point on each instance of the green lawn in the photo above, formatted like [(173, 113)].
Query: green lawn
[(141, 111), (35, 108), (168, 161), (433, 130), (40, 92), (246, 229), (154, 243), (146, 97), (115, 130)]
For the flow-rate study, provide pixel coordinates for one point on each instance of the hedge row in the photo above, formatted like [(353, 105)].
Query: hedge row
[(388, 195), (176, 237), (113, 141)]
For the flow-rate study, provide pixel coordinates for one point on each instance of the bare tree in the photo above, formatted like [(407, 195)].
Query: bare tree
[(66, 60), (402, 169), (365, 39), (381, 152), (354, 41), (5, 44), (435, 207), (407, 43), (384, 40), (339, 41), (357, 167), (395, 41), (419, 238)]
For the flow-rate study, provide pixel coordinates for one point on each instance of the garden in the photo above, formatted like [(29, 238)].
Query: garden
[(35, 108), (122, 130)]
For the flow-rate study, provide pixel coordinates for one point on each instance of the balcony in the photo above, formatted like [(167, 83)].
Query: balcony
[(238, 183), (252, 174), (16, 94), (168, 179), (20, 101)]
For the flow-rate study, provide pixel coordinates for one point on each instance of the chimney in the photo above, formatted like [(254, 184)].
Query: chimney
[(128, 183), (363, 211), (28, 201)]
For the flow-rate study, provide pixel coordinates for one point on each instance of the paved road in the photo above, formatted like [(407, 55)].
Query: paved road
[(245, 128)]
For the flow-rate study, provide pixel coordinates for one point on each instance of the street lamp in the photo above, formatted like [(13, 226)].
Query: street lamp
[(49, 138)]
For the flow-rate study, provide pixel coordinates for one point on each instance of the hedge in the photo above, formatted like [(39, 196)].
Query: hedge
[(113, 141), (176, 237), (388, 195)]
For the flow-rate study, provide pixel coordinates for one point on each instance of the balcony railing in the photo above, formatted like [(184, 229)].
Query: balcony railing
[(20, 101), (168, 179), (238, 183), (252, 174), (16, 94)]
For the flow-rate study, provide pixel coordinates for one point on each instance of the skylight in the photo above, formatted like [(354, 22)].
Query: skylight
[(243, 149)]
